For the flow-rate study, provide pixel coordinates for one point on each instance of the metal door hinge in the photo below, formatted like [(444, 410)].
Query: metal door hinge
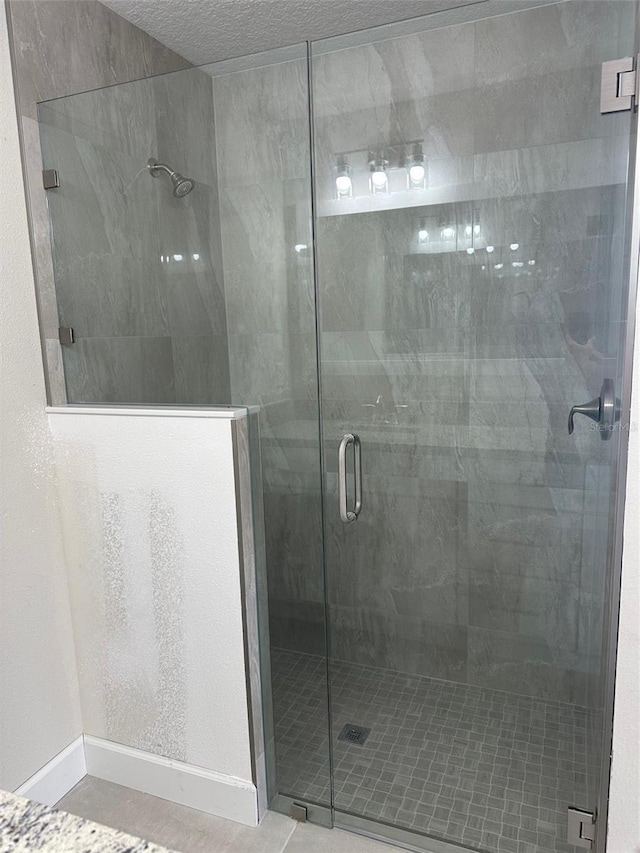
[(298, 812), (619, 84), (581, 828), (50, 179), (65, 334)]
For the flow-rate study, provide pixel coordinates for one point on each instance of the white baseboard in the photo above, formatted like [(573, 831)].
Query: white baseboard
[(214, 793), (57, 777)]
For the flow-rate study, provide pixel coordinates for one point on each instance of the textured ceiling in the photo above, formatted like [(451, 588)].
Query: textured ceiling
[(209, 30)]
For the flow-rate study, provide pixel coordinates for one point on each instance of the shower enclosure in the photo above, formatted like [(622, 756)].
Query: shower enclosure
[(406, 249)]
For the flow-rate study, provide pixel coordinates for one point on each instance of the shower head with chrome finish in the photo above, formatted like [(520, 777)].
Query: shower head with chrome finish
[(181, 186)]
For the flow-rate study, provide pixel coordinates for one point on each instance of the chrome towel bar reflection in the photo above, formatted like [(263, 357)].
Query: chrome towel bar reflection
[(349, 515)]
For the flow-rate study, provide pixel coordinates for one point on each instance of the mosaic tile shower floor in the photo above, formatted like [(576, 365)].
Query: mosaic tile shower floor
[(485, 769)]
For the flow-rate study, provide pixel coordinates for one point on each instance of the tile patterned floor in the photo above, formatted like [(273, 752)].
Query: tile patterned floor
[(489, 770)]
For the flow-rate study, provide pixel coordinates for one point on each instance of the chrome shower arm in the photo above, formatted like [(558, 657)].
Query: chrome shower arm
[(153, 166)]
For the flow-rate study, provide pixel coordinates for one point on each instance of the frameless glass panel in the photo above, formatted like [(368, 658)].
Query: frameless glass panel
[(262, 136), (138, 265), (204, 294), (471, 214)]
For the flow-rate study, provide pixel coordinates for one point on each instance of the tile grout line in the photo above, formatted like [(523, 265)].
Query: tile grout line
[(294, 829)]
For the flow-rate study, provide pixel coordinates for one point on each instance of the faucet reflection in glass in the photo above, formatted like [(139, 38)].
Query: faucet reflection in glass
[(385, 411)]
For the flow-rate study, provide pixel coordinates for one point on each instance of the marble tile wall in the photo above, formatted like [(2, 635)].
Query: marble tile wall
[(60, 49), (480, 554)]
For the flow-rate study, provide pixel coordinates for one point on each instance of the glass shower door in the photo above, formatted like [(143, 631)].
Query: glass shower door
[(470, 206)]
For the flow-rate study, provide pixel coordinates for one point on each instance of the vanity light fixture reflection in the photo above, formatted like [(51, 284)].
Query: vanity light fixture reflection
[(416, 170), (378, 177)]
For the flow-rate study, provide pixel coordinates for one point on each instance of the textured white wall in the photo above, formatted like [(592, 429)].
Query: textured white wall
[(624, 809), (150, 529), (39, 705)]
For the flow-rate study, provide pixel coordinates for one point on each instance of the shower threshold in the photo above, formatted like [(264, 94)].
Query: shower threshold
[(403, 838)]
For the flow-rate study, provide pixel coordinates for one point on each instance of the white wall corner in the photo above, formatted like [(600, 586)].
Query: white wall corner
[(195, 787), (58, 776)]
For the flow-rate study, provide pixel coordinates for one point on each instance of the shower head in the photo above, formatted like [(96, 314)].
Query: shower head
[(181, 186)]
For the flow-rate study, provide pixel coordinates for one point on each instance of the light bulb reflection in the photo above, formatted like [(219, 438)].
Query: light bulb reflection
[(423, 235), (343, 184), (379, 183), (416, 173), (514, 246), (490, 249), (448, 232), (378, 178)]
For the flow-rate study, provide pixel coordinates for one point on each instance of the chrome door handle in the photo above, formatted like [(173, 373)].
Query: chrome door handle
[(604, 410), (349, 515), (357, 462)]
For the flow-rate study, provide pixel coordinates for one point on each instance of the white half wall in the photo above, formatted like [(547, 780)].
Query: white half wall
[(39, 703), (153, 556)]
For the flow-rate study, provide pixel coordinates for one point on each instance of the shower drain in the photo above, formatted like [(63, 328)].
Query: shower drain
[(354, 734)]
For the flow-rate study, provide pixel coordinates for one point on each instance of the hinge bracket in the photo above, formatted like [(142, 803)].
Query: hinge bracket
[(619, 84), (581, 827), (298, 812), (50, 179), (65, 335)]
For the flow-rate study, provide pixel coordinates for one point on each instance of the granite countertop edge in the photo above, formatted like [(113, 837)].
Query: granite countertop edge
[(29, 826)]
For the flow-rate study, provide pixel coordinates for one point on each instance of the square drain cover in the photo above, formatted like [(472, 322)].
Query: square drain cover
[(354, 734)]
